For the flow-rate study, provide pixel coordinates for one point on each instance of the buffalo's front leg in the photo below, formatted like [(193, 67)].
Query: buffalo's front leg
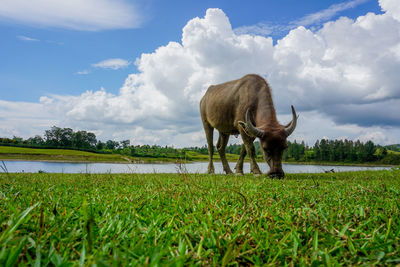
[(239, 164), (209, 135), (221, 146), (251, 151)]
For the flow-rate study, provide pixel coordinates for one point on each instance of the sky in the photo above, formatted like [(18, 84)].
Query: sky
[(137, 69)]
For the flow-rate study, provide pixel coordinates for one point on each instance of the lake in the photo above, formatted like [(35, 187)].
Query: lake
[(196, 167)]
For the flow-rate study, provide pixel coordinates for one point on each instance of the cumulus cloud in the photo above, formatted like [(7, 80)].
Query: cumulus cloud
[(171, 80), (112, 63), (343, 80), (347, 65), (89, 15), (391, 7)]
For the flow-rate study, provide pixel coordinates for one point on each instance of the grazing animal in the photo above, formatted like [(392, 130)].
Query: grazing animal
[(245, 107)]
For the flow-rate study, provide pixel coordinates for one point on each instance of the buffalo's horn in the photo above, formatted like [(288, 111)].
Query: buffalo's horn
[(249, 128), (292, 125)]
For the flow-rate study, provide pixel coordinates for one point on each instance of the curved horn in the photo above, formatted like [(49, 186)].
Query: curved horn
[(249, 128), (292, 125)]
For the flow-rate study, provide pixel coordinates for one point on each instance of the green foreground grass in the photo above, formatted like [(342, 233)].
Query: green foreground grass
[(194, 219)]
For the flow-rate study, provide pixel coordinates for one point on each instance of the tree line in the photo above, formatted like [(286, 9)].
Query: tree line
[(345, 151), (324, 150), (56, 137), (66, 138)]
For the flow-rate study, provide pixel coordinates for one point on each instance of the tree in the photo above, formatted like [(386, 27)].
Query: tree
[(317, 151), (17, 140), (66, 137), (100, 145), (384, 151), (57, 136), (324, 148), (133, 151), (125, 143), (369, 150), (83, 139), (91, 139), (110, 144), (37, 140)]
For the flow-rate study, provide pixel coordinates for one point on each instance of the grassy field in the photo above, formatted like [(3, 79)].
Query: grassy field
[(24, 153), (65, 155), (195, 219)]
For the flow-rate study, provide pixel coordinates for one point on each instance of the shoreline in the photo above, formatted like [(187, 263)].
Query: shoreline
[(340, 164), (89, 162)]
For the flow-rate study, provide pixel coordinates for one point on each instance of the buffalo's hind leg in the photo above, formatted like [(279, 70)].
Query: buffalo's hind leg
[(221, 146), (209, 130)]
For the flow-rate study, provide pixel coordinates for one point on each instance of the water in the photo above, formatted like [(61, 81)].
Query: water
[(197, 167)]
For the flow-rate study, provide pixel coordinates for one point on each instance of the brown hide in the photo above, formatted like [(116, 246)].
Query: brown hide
[(224, 107)]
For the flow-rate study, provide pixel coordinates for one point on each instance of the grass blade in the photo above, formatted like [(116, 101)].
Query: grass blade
[(20, 219), (12, 258), (38, 257)]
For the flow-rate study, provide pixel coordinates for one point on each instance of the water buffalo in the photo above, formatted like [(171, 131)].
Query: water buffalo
[(245, 107)]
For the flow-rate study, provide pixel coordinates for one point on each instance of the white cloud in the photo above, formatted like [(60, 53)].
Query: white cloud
[(83, 72), (24, 119), (112, 63), (343, 80), (328, 13), (314, 20), (378, 137), (27, 39), (88, 15), (262, 28), (391, 7)]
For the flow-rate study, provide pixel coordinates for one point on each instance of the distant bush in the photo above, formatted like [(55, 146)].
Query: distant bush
[(391, 159)]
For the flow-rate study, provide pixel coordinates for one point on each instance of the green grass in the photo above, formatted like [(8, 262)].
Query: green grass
[(65, 155), (194, 219), (43, 154), (23, 153)]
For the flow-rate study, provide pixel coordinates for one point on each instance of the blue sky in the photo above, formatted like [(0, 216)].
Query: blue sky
[(56, 55)]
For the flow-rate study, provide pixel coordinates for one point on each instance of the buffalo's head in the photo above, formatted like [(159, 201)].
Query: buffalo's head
[(272, 141)]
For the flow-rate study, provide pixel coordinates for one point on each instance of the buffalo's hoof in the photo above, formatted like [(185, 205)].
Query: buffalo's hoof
[(256, 172), (229, 172), (275, 176)]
